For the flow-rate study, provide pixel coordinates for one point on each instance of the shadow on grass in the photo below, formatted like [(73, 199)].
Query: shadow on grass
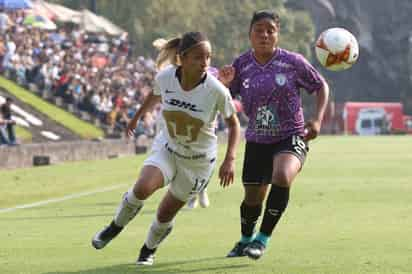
[(214, 265), (147, 212)]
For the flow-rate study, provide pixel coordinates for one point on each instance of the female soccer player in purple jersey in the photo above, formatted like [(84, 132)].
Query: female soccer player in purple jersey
[(269, 80)]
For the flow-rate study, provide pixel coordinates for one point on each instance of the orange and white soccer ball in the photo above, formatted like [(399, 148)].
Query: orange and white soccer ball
[(337, 49)]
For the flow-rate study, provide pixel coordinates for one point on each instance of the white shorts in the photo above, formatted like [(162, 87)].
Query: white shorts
[(185, 177)]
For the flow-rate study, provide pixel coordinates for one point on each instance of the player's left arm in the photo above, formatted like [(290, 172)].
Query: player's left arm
[(312, 127), (313, 82), (227, 169), (227, 109)]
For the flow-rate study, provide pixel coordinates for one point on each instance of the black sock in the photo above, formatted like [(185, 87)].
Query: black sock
[(248, 218), (275, 205)]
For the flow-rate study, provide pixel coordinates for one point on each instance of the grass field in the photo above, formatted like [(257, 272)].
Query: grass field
[(350, 212), (23, 135)]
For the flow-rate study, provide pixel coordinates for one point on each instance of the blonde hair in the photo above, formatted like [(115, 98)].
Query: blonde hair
[(168, 52)]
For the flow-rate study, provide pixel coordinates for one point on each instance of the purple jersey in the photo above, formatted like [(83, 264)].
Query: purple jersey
[(214, 71), (271, 94)]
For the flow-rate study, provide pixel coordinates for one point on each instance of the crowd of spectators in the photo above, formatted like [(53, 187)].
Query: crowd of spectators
[(93, 73)]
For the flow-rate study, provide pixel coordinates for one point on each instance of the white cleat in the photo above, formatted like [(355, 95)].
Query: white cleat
[(192, 203), (204, 199)]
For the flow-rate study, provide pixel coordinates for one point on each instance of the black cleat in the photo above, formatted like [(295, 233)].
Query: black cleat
[(102, 238), (255, 250), (238, 250), (146, 256)]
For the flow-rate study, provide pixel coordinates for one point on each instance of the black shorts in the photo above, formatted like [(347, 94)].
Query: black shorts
[(258, 158)]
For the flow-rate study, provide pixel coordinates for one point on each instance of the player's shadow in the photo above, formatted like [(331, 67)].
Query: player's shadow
[(214, 265), (78, 216)]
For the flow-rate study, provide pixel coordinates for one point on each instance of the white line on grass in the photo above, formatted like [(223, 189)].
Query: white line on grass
[(64, 198)]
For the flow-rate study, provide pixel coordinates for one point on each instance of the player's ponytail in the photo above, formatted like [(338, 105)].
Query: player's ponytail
[(168, 50)]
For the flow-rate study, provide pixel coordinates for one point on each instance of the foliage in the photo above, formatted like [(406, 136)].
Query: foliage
[(225, 22)]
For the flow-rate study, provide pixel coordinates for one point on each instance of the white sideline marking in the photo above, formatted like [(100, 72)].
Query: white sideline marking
[(29, 117), (50, 135), (64, 198)]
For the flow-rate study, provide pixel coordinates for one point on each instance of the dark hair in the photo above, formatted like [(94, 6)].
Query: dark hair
[(9, 99), (261, 14), (170, 49), (189, 40)]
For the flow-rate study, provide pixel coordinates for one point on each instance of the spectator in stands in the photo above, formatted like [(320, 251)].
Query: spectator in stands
[(9, 123), (3, 132), (9, 50), (4, 21), (3, 51)]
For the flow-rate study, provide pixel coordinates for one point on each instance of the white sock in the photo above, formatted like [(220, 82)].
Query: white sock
[(131, 198), (128, 209), (157, 233)]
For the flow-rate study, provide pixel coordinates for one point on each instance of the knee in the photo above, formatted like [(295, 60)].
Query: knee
[(254, 198), (252, 201), (282, 178), (143, 189)]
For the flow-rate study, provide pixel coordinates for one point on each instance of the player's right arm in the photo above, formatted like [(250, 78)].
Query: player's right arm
[(148, 104)]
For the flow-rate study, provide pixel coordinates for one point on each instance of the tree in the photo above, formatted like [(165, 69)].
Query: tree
[(225, 22)]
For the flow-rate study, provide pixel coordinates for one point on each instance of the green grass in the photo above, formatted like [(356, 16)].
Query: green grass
[(350, 212), (62, 117), (23, 134)]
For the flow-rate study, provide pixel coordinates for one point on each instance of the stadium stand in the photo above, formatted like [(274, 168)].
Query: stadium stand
[(94, 76)]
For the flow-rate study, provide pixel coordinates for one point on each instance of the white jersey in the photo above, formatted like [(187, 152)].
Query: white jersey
[(189, 116)]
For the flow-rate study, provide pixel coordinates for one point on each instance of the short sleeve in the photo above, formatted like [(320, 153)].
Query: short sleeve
[(214, 71), (308, 77), (235, 84), (156, 86), (225, 104)]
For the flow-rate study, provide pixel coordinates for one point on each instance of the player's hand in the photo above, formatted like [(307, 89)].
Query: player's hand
[(130, 129), (227, 172), (312, 129), (226, 75)]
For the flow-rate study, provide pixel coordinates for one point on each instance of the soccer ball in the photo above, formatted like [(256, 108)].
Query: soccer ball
[(337, 49)]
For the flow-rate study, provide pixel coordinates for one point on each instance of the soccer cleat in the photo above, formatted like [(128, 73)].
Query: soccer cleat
[(146, 256), (255, 250), (192, 203), (204, 199), (238, 250), (102, 238)]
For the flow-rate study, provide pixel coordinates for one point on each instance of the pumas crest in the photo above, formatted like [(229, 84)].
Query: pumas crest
[(280, 79)]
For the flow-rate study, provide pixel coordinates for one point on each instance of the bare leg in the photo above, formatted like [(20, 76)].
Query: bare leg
[(163, 223), (150, 180), (285, 168), (161, 227)]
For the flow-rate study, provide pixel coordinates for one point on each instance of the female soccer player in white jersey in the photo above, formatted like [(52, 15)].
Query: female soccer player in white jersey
[(183, 154)]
